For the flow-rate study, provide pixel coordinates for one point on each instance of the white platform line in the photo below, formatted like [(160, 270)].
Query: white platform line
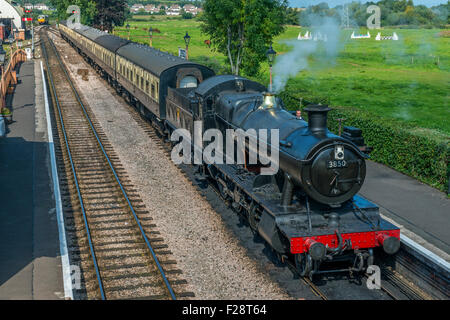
[(425, 252), (68, 292)]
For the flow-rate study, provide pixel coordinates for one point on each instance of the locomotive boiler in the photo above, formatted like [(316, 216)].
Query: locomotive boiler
[(328, 168)]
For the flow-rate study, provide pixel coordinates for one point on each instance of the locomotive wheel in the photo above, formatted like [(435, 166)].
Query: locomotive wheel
[(251, 216), (303, 263), (223, 194), (222, 191)]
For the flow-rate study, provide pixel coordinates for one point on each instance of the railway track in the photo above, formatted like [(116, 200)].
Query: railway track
[(393, 286), (118, 249)]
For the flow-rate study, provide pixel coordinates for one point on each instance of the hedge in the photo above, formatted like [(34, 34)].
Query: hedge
[(417, 152)]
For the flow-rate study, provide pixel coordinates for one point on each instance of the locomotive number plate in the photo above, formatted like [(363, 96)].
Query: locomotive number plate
[(337, 164)]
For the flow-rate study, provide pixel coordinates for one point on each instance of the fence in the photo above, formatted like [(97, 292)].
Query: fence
[(9, 75)]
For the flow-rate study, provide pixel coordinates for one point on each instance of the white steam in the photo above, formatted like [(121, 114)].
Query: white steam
[(290, 64)]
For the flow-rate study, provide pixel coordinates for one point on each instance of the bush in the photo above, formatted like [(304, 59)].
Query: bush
[(187, 15), (414, 151), (5, 112)]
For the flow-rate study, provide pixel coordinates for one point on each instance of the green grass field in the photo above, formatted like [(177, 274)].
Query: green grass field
[(408, 80)]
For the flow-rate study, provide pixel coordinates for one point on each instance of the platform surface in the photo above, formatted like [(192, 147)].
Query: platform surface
[(30, 266), (420, 208)]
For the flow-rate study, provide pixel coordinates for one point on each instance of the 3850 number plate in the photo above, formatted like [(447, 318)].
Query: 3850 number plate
[(337, 164)]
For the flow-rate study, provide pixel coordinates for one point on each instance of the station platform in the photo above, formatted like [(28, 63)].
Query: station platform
[(30, 266), (422, 212)]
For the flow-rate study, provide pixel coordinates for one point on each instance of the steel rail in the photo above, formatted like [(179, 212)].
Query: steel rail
[(314, 288), (91, 245), (149, 246)]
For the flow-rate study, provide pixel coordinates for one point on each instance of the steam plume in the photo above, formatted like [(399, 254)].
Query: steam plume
[(290, 64)]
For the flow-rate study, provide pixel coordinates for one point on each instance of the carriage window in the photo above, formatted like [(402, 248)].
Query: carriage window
[(188, 82), (147, 85), (142, 83), (153, 90)]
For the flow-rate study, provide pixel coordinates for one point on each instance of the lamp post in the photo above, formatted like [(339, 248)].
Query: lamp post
[(187, 39), (150, 33), (128, 28), (271, 57), (32, 38)]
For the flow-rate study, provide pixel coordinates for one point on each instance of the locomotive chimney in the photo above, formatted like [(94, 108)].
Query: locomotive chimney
[(317, 117)]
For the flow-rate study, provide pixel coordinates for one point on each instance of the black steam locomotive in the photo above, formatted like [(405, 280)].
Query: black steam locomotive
[(309, 211)]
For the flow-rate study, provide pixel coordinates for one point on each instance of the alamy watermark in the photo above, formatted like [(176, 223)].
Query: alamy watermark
[(74, 21), (374, 21), (75, 277), (259, 150), (374, 278)]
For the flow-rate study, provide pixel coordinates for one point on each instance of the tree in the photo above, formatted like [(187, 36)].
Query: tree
[(186, 15), (292, 16), (111, 12), (243, 29), (88, 9)]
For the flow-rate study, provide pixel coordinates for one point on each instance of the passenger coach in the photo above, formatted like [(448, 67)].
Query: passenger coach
[(141, 73)]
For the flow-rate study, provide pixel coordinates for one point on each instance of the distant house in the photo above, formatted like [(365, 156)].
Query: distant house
[(174, 10), (149, 8), (40, 6), (191, 9), (136, 7)]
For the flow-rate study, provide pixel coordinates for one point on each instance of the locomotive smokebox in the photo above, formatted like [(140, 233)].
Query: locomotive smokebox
[(317, 117)]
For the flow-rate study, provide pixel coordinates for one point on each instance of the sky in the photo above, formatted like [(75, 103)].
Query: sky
[(333, 3)]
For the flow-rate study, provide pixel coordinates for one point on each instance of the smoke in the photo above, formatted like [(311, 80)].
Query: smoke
[(290, 64)]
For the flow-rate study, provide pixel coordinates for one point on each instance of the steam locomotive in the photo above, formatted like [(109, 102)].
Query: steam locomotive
[(309, 211)]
